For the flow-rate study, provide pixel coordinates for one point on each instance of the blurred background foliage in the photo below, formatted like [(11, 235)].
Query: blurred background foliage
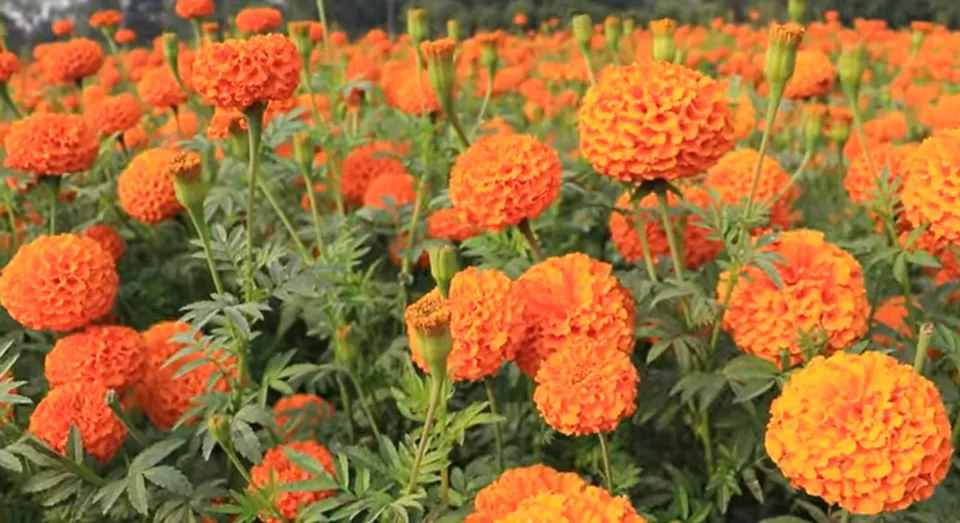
[(28, 21)]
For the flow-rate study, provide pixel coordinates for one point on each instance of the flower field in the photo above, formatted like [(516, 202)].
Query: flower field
[(574, 272)]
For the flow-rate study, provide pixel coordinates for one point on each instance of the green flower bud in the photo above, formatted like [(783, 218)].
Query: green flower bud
[(612, 31), (664, 46), (429, 320), (345, 347), (582, 30), (443, 266), (439, 58), (453, 29), (850, 68), (814, 117), (417, 25), (782, 56), (797, 9)]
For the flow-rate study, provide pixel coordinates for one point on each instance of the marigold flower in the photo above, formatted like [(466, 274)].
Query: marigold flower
[(390, 191), (592, 504), (504, 496), (410, 93), (258, 19), (72, 60), (48, 144), (106, 18), (239, 73), (365, 163), (158, 88), (226, 122), (115, 114), (110, 355), (864, 432), (145, 190), (823, 290), (653, 120), (82, 405), (890, 127), (276, 469), (565, 300), (930, 188), (59, 283), (195, 8), (9, 64), (301, 411), (860, 181), (108, 238), (125, 36), (744, 118), (62, 27), (813, 76), (448, 224), (502, 180), (732, 177)]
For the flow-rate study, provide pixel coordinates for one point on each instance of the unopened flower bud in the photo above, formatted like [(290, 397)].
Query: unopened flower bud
[(429, 320), (417, 25), (186, 171), (629, 26), (438, 55), (582, 30), (345, 347), (171, 49), (797, 9), (850, 68), (453, 29), (219, 427), (612, 31), (443, 266), (664, 46), (303, 151), (814, 117), (840, 121), (782, 56), (300, 35)]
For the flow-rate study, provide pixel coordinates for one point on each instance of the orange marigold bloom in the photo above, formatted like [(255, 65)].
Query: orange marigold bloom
[(502, 180), (159, 88), (365, 163), (125, 36), (890, 127), (144, 189), (9, 64), (164, 397), (195, 8), (732, 177), (108, 238), (931, 186), (48, 144), (276, 469), (744, 118), (892, 314), (258, 19), (115, 114), (565, 300), (62, 27), (823, 290), (239, 73), (107, 18), (82, 405), (860, 181), (59, 283), (813, 76), (448, 224), (699, 248), (653, 120), (110, 355), (301, 411), (864, 432), (72, 60), (390, 191), (226, 122), (503, 496), (409, 93), (592, 504)]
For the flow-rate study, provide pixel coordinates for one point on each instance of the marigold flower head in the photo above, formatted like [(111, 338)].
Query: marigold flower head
[(441, 49), (226, 122), (158, 88), (107, 18), (115, 114), (502, 180), (504, 496), (145, 190), (430, 315), (62, 27), (732, 178), (195, 8), (654, 120), (72, 60), (411, 93), (889, 127), (892, 313), (823, 291), (125, 36), (110, 355), (276, 469), (59, 283), (592, 504), (258, 19), (84, 406), (860, 180), (930, 187), (9, 64), (365, 163), (49, 144), (301, 411), (744, 118), (448, 224), (390, 191), (861, 431), (813, 76), (567, 299), (108, 238), (239, 73)]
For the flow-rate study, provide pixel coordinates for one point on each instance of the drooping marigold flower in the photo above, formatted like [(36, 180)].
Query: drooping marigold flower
[(59, 283), (930, 188), (62, 27), (732, 177), (698, 249), (301, 412), (239, 73), (448, 224), (145, 190), (166, 397), (501, 180), (276, 470), (84, 406), (592, 504), (108, 238), (365, 163), (390, 191), (586, 387), (813, 76), (823, 291), (652, 120), (50, 144), (567, 299), (72, 60), (258, 19), (861, 431), (110, 355), (195, 8), (107, 18), (9, 64), (503, 496), (116, 114), (158, 88), (860, 181)]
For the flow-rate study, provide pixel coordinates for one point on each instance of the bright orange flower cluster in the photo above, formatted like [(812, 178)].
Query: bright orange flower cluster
[(813, 76), (889, 127), (823, 290), (49, 144), (931, 187), (593, 504), (72, 60), (448, 224), (115, 114), (226, 122), (62, 27), (145, 190), (301, 412), (390, 191), (861, 182), (504, 495), (107, 18), (652, 120), (125, 36), (864, 432), (409, 92), (258, 19), (365, 163), (158, 88), (276, 469), (237, 74), (110, 355), (195, 8), (108, 238), (502, 180), (59, 283), (732, 178), (82, 405)]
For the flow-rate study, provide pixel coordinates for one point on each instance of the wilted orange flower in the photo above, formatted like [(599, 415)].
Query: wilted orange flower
[(504, 496), (813, 76), (195, 8), (144, 189), (592, 504), (9, 64), (84, 406), (653, 120), (108, 238), (565, 300), (823, 291), (390, 191), (502, 180), (59, 283), (860, 181), (62, 27), (301, 411), (732, 177), (115, 114), (51, 144), (448, 224), (158, 87), (861, 431), (72, 60), (276, 470), (930, 188), (258, 19), (107, 18), (239, 73), (365, 163), (109, 355)]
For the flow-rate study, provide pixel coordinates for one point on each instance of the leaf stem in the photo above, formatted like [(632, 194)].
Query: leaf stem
[(254, 116), (605, 451), (365, 406), (285, 220), (203, 231), (527, 232), (675, 248), (436, 391), (498, 426), (923, 343), (348, 408)]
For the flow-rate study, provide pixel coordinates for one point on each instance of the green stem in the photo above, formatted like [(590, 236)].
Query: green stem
[(287, 224), (773, 105), (8, 101), (706, 438), (76, 468), (314, 211), (844, 516), (323, 22), (527, 232), (644, 242), (498, 426), (586, 58), (923, 343), (406, 265), (486, 102), (462, 141), (436, 391), (347, 407), (365, 406), (605, 451), (54, 191), (795, 177), (257, 491), (727, 294), (675, 249), (955, 437), (861, 135), (114, 403), (8, 200), (254, 116), (197, 35), (203, 231)]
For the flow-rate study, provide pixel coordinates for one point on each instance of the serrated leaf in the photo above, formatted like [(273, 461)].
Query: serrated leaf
[(10, 462), (108, 495), (170, 479), (137, 494), (245, 441), (154, 455)]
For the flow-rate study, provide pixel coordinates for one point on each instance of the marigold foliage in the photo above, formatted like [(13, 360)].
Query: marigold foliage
[(732, 177), (298, 411)]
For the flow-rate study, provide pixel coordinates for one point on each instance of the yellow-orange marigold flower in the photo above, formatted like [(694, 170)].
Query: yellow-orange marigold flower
[(890, 127), (239, 73), (813, 76), (823, 290), (732, 177), (744, 118), (864, 432), (390, 191), (410, 93), (565, 300), (49, 144), (59, 283), (593, 504), (276, 470), (158, 88), (505, 495), (145, 190), (83, 405), (301, 411), (110, 355), (106, 18), (258, 19), (226, 122), (860, 181), (365, 163), (62, 27), (72, 60), (195, 8), (115, 114), (931, 187), (448, 224), (653, 120), (108, 238), (502, 180), (125, 36)]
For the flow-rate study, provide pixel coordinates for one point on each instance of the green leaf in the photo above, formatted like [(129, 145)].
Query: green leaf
[(784, 519), (170, 479), (108, 495), (154, 455), (245, 441), (45, 480), (137, 494), (9, 461), (749, 367)]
